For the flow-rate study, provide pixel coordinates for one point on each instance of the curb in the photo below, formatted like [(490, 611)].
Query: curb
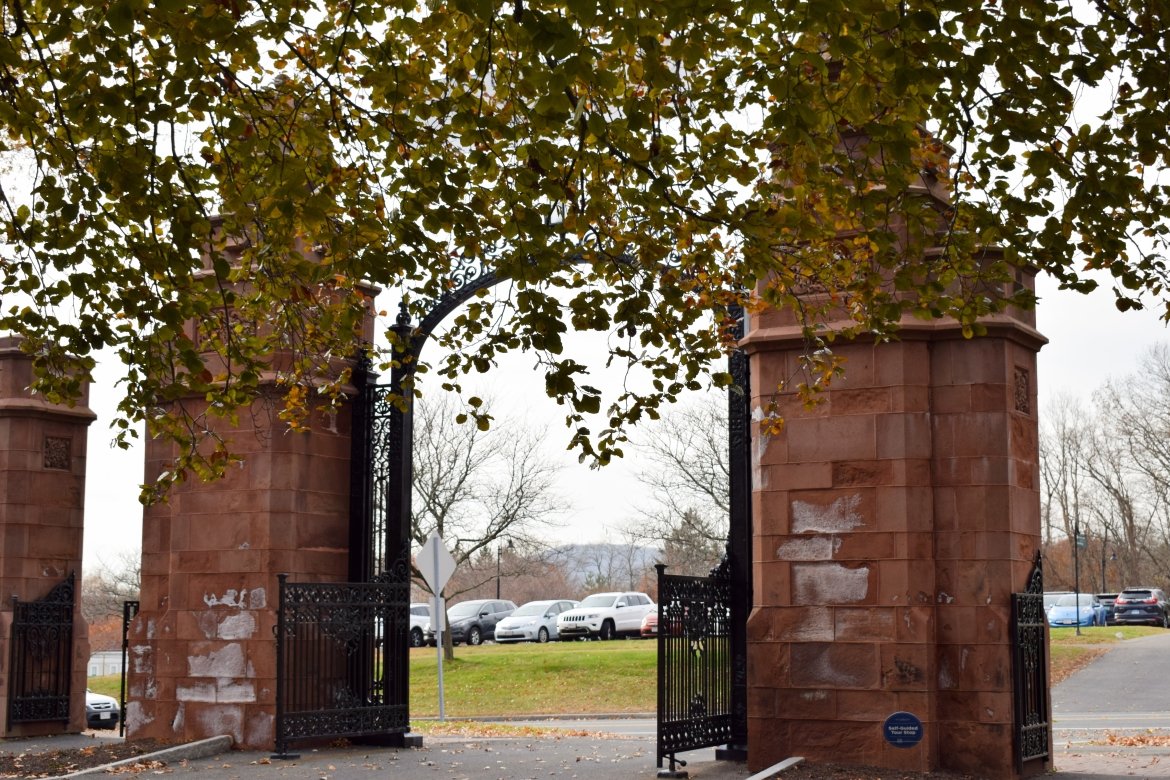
[(542, 717), (202, 749)]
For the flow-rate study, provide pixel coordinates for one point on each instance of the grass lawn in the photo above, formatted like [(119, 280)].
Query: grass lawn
[(604, 677), (524, 679), (560, 677)]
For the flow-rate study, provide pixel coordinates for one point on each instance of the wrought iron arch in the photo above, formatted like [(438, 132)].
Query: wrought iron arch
[(383, 438)]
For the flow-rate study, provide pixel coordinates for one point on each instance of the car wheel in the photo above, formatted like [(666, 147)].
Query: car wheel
[(1165, 621), (474, 637), (416, 637), (542, 635), (606, 631)]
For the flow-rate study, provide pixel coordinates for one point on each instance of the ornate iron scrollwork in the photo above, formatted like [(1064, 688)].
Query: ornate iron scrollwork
[(695, 707), (340, 649), (41, 656), (1033, 730)]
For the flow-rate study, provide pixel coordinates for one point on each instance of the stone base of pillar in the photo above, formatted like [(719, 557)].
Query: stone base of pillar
[(202, 653)]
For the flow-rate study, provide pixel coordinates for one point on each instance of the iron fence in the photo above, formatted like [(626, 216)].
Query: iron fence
[(41, 658), (338, 646), (695, 662), (1033, 732), (129, 612)]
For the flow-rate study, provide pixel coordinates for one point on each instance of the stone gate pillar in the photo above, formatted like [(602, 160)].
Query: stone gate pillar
[(892, 523), (202, 649), (42, 492)]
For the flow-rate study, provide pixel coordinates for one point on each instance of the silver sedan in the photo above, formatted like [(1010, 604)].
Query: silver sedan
[(536, 621)]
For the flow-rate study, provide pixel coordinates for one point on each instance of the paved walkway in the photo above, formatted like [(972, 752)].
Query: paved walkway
[(563, 758)]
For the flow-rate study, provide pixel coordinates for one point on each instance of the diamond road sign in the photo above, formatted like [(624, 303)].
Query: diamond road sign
[(435, 563)]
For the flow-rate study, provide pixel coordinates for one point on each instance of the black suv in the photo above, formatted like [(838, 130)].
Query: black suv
[(474, 621), (1142, 605)]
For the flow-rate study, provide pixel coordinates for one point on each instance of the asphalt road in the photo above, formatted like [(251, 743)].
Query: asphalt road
[(1124, 691)]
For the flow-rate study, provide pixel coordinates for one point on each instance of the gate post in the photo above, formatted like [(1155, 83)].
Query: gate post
[(894, 522), (739, 537), (202, 652), (42, 484)]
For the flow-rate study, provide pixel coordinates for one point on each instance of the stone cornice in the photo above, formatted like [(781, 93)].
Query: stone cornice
[(35, 407), (1002, 326)]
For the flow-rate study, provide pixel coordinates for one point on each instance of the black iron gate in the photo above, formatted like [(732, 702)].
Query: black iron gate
[(342, 647), (695, 708), (336, 642), (41, 659), (1033, 732)]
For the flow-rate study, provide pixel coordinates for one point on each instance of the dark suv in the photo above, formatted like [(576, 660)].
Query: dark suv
[(1142, 605), (474, 621)]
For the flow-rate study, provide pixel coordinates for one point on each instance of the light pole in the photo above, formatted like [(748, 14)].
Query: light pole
[(1105, 558), (1076, 550), (499, 548)]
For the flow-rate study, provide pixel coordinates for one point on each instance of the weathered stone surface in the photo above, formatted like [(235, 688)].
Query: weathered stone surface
[(209, 592), (838, 665), (890, 589), (43, 453)]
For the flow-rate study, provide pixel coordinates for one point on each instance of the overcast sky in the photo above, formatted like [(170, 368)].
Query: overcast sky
[(1089, 341)]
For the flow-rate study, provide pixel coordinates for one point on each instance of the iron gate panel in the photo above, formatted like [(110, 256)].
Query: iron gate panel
[(1030, 668), (337, 646), (695, 707), (41, 660)]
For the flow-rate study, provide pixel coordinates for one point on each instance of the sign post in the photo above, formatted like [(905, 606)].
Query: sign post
[(436, 565)]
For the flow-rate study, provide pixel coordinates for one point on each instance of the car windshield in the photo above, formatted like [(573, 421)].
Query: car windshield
[(1071, 600), (599, 600), (531, 609), (466, 609)]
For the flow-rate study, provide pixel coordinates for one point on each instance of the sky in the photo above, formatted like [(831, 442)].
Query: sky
[(1089, 342)]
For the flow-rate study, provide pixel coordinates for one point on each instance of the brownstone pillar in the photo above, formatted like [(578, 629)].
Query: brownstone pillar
[(892, 523), (202, 653), (42, 490)]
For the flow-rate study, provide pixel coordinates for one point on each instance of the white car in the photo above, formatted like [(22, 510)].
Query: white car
[(420, 618), (101, 711), (536, 621), (605, 616)]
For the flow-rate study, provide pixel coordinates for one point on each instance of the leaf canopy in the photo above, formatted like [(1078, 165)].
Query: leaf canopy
[(632, 168)]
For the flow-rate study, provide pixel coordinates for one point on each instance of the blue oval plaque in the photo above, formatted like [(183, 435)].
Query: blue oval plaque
[(902, 729)]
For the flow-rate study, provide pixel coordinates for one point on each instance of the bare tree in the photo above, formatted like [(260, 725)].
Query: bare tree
[(479, 489), (1105, 472), (686, 469), (103, 591)]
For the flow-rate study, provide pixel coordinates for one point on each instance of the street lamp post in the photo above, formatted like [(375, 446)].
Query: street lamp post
[(1077, 576), (499, 548)]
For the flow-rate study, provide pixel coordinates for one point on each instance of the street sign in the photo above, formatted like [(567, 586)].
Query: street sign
[(435, 563)]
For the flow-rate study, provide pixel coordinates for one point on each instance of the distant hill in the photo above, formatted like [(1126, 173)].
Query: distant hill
[(603, 566)]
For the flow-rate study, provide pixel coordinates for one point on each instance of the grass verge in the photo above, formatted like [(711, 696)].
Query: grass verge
[(603, 677), (552, 679), (527, 679)]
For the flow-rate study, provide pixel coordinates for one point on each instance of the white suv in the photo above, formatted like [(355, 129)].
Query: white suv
[(605, 615), (420, 616)]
